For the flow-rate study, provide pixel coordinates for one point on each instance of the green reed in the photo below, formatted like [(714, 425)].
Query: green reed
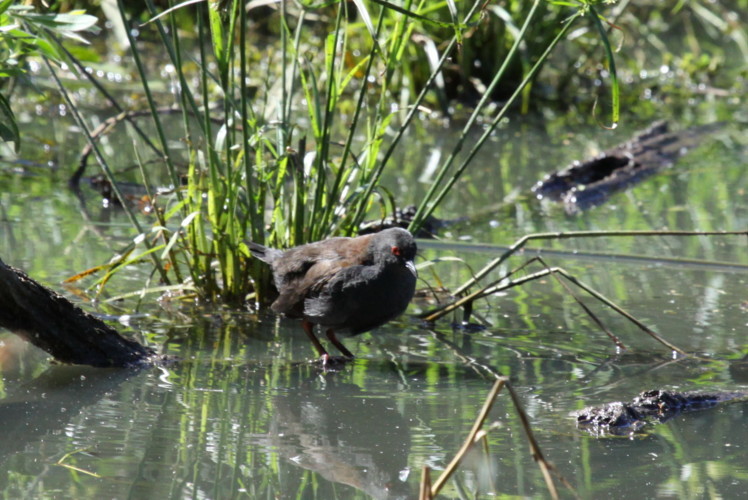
[(300, 157)]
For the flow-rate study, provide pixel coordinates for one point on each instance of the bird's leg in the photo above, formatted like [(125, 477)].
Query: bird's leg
[(331, 336), (309, 329)]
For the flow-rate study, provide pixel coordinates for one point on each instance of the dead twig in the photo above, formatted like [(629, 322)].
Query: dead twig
[(545, 467), (425, 491), (479, 421), (520, 243), (501, 285), (478, 434)]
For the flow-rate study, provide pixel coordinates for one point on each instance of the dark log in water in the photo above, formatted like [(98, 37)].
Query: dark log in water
[(52, 323), (585, 184), (624, 419)]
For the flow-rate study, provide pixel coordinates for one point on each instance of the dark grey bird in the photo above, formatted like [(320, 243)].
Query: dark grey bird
[(343, 284)]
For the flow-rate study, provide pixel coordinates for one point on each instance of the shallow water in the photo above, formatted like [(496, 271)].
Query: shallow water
[(243, 415)]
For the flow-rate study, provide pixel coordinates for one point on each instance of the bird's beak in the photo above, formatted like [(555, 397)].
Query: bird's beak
[(411, 267)]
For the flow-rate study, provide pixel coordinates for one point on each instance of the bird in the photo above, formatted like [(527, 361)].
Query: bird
[(343, 283)]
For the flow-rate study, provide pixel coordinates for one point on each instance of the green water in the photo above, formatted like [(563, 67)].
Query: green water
[(242, 415)]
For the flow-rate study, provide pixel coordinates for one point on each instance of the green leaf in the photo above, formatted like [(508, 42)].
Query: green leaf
[(46, 48), (74, 36), (219, 38), (615, 85), (85, 53), (364, 13), (64, 22), (8, 126), (19, 34), (10, 72), (413, 15), (173, 9), (8, 27), (4, 4)]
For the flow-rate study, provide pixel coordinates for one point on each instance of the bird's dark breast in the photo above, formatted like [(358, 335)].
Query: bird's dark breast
[(361, 298)]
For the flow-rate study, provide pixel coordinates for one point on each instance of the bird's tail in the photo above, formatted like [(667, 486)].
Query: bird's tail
[(264, 253)]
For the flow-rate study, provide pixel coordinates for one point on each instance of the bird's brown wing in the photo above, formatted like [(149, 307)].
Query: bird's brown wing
[(306, 272), (341, 299), (299, 261), (308, 281)]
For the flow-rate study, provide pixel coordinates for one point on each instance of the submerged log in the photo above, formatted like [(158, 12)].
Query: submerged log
[(585, 184), (52, 323), (624, 419)]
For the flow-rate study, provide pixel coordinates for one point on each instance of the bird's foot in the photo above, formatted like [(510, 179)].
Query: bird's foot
[(328, 362)]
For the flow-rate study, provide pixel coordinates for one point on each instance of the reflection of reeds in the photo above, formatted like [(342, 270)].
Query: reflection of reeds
[(477, 434)]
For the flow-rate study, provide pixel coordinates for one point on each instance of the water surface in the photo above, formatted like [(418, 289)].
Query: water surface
[(243, 415)]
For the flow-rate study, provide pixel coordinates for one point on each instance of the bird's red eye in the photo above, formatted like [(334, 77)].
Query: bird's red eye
[(396, 251)]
